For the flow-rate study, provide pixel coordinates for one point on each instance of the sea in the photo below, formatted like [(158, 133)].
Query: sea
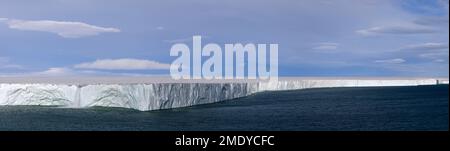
[(405, 108)]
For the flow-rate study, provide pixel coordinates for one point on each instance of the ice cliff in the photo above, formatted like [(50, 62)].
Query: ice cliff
[(153, 96)]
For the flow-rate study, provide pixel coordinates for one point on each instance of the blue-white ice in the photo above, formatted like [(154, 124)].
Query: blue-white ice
[(156, 95)]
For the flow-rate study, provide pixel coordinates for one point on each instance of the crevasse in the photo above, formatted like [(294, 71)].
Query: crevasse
[(154, 96)]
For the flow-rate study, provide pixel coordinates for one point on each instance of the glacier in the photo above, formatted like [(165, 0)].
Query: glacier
[(145, 96)]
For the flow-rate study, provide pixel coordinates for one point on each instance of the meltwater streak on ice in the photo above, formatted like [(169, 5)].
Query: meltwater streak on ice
[(77, 98), (154, 96)]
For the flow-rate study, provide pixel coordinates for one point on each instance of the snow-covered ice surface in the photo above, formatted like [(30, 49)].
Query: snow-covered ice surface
[(153, 93)]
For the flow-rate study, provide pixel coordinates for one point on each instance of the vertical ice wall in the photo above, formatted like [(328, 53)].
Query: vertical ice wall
[(159, 95), (164, 95), (37, 94), (137, 96)]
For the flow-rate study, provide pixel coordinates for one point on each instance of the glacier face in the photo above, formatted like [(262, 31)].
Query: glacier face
[(136, 96), (154, 96)]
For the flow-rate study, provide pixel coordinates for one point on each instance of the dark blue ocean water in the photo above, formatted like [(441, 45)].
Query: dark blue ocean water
[(376, 108)]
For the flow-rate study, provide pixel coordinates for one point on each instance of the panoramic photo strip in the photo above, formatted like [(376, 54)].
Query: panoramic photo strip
[(225, 74)]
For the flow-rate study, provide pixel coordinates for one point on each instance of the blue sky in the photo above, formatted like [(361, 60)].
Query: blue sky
[(315, 37)]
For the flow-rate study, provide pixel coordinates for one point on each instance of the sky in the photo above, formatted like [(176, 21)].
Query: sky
[(315, 37)]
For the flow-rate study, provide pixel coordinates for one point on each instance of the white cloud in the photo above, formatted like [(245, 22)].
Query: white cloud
[(65, 72), (3, 19), (62, 28), (439, 60), (326, 46), (397, 30), (123, 64), (434, 55), (427, 46), (54, 72), (420, 69), (160, 28), (11, 66), (391, 61), (5, 64)]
